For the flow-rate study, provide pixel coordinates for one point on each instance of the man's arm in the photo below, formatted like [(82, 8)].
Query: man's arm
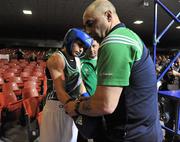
[(56, 66), (103, 102)]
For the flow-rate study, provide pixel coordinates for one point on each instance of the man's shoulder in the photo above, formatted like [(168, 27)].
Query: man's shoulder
[(124, 38), (124, 33), (88, 61), (55, 60)]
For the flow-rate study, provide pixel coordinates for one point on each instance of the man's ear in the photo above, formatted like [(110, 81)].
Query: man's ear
[(108, 14)]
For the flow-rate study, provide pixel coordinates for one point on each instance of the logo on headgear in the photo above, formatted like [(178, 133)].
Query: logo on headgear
[(89, 40)]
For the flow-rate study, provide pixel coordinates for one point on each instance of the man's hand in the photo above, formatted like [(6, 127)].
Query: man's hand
[(70, 108)]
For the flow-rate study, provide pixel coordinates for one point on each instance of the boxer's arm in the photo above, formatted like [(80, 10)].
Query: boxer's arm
[(56, 66)]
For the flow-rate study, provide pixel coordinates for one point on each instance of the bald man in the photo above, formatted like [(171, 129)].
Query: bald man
[(126, 91)]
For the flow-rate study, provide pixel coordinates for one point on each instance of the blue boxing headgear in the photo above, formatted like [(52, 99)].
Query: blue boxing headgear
[(76, 34)]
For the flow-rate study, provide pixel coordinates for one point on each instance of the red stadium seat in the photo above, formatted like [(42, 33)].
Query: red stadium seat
[(39, 118), (31, 107), (11, 87), (39, 74), (1, 82), (33, 78), (7, 98), (8, 101), (25, 75), (17, 79), (29, 92), (5, 66), (2, 70), (8, 75), (32, 84)]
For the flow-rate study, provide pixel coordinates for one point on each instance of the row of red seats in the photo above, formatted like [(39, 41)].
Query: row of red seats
[(27, 52), (21, 84)]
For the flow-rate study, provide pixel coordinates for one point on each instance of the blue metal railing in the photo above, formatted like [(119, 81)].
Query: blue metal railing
[(156, 40), (168, 67)]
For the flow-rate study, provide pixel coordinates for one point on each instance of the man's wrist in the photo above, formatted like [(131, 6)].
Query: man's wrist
[(69, 100)]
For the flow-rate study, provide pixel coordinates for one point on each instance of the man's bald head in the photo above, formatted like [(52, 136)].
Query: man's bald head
[(100, 6), (99, 18)]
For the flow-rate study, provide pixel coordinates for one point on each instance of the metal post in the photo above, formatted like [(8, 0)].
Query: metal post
[(166, 29), (168, 67), (155, 32), (156, 40), (168, 11), (177, 130)]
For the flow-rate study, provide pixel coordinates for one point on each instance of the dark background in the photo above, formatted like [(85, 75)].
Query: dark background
[(51, 19)]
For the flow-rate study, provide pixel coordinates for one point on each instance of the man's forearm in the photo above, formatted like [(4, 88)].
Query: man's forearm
[(60, 92), (103, 102), (90, 107)]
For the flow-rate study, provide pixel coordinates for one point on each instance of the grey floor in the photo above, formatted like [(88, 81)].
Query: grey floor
[(16, 133)]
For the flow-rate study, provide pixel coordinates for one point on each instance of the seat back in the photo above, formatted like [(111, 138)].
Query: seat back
[(31, 106), (29, 92), (6, 98)]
